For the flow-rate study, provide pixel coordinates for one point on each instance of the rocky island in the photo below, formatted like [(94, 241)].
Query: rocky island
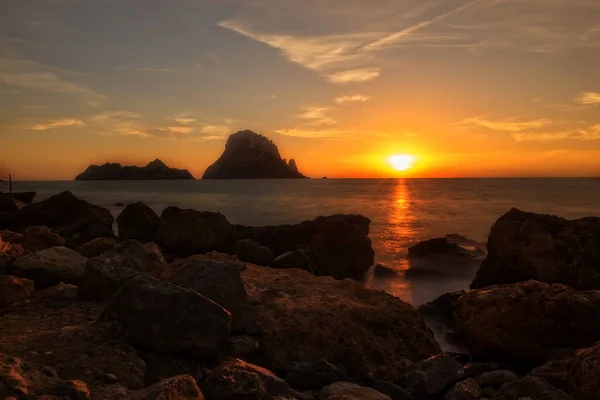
[(249, 155), (186, 305), (155, 170)]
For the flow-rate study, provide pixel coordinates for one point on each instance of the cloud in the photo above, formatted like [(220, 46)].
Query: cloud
[(589, 98), (354, 75), (160, 70), (185, 121), (307, 132), (34, 107), (541, 136), (509, 125), (120, 123), (58, 123), (355, 98), (216, 130), (316, 116), (178, 129)]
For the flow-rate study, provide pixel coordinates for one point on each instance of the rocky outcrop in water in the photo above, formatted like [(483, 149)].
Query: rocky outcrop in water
[(155, 170), (249, 155)]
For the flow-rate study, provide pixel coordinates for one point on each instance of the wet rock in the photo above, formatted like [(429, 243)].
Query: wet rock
[(432, 376), (169, 319), (584, 373), (382, 272), (189, 232), (440, 256), (301, 259), (67, 214), (49, 267), (181, 387), (242, 346), (523, 322), (374, 333), (236, 379), (74, 390), (313, 375), (340, 243), (465, 390), (496, 379), (394, 391), (474, 369), (58, 296), (106, 273), (526, 246), (250, 251), (14, 290), (38, 238), (138, 221), (441, 310), (220, 282), (97, 246), (350, 391), (534, 387)]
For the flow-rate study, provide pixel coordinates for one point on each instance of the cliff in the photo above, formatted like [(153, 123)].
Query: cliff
[(155, 170), (249, 155)]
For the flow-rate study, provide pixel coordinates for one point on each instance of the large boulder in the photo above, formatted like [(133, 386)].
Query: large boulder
[(138, 221), (37, 238), (583, 378), (313, 375), (302, 316), (169, 319), (106, 273), (530, 387), (13, 290), (182, 387), (236, 379), (97, 246), (433, 376), (76, 220), (189, 232), (250, 251), (521, 323), (49, 267), (220, 282), (350, 391), (10, 250), (441, 256), (524, 246), (465, 390), (340, 243)]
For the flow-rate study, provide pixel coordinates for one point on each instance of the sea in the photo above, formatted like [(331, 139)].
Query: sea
[(403, 211)]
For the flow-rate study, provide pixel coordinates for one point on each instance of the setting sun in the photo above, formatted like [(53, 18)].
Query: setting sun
[(402, 162)]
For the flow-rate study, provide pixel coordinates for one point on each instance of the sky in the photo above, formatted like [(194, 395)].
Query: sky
[(470, 88)]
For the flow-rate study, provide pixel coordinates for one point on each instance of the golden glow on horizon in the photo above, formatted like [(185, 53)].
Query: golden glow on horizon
[(402, 162)]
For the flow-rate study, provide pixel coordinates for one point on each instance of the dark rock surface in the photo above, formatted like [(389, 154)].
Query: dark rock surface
[(313, 375), (37, 238), (584, 374), (496, 378), (303, 259), (432, 376), (533, 387), (394, 391), (50, 267), (474, 369), (13, 290), (441, 310), (182, 387), (58, 296), (97, 246), (383, 272), (138, 221), (350, 391), (442, 257), (524, 246), (555, 371), (73, 390), (169, 319), (249, 155), (523, 322), (155, 170), (465, 390), (253, 252), (242, 346)]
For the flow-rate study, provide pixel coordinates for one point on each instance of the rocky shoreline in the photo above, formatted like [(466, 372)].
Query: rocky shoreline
[(186, 305)]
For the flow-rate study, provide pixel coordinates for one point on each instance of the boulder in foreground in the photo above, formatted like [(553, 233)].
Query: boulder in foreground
[(138, 221), (431, 377), (350, 391), (530, 387), (524, 246), (13, 290), (584, 375), (181, 387), (50, 267)]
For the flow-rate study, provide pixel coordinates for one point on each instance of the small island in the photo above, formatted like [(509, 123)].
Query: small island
[(155, 170), (249, 155)]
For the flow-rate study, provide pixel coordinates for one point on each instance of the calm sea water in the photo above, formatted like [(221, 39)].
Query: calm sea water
[(403, 211)]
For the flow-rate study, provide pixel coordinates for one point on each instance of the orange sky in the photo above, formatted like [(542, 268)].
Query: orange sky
[(470, 88)]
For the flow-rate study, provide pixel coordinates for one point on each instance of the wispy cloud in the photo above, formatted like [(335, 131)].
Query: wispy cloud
[(120, 123), (354, 75), (354, 98), (58, 123), (589, 98), (509, 125), (161, 70), (316, 133), (216, 130), (185, 121), (34, 107), (541, 136), (178, 129), (316, 116)]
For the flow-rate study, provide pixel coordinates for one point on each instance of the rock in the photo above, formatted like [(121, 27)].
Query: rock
[(465, 390), (119, 204), (394, 391), (584, 373), (339, 243), (301, 259), (9, 204), (10, 236), (489, 392), (496, 379), (554, 371), (242, 346), (74, 390), (350, 391), (58, 296), (50, 267), (534, 387), (474, 369), (37, 238), (249, 155), (374, 333), (181, 387), (521, 323), (440, 256), (105, 274), (236, 379), (524, 246), (169, 319), (441, 310), (250, 251), (50, 372), (111, 378), (97, 246), (138, 221), (14, 290), (313, 375), (155, 170), (220, 282), (72, 217), (382, 272), (110, 392), (10, 250), (432, 376), (189, 232)]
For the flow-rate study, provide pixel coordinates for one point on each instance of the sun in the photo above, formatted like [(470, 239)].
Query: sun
[(402, 162)]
